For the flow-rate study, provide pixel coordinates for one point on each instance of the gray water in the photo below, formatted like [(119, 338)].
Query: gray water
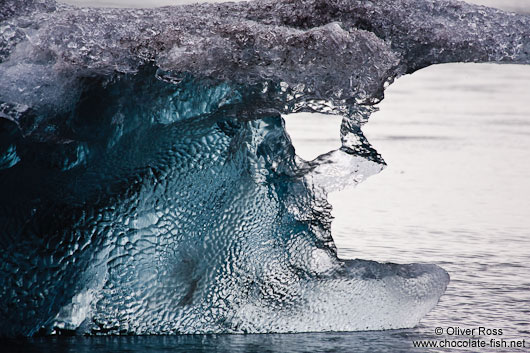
[(456, 193)]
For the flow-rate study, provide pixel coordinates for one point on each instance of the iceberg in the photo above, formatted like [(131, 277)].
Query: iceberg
[(148, 185)]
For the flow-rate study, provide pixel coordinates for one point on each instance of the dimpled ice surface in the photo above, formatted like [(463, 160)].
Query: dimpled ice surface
[(148, 185)]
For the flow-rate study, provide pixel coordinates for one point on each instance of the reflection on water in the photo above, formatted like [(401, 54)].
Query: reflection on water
[(390, 341)]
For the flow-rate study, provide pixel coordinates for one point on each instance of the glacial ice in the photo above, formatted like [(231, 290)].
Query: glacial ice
[(148, 185)]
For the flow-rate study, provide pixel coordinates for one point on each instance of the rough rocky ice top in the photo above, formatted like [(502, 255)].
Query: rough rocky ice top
[(328, 55)]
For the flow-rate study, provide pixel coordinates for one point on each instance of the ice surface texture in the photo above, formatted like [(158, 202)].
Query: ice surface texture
[(148, 185)]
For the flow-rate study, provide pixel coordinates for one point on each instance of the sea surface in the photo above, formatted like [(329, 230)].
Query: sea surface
[(456, 193)]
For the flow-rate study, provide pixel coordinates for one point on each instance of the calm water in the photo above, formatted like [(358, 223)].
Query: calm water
[(456, 193)]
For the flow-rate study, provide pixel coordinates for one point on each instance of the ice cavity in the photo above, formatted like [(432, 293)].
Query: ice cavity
[(148, 184)]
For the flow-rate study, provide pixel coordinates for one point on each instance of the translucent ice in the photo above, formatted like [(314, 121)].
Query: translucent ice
[(147, 182)]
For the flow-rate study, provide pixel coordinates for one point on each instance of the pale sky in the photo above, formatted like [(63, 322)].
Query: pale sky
[(504, 4)]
